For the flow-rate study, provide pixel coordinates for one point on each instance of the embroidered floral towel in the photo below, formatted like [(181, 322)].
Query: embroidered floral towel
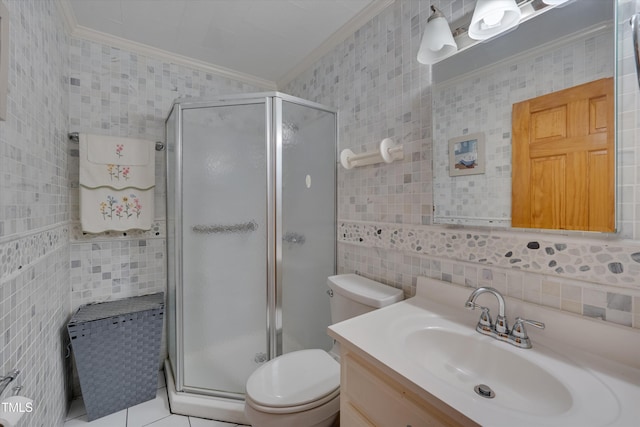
[(116, 162), (118, 210), (117, 179)]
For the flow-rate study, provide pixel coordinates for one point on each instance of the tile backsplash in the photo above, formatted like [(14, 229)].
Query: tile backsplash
[(586, 277), (580, 259)]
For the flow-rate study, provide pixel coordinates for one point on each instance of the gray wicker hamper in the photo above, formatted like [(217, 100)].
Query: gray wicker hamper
[(116, 346)]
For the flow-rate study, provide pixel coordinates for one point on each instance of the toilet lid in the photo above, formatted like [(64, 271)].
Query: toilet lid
[(294, 379)]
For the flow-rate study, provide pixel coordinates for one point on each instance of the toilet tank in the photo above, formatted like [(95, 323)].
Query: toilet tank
[(353, 295)]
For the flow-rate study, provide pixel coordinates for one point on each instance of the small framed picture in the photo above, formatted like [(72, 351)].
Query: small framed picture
[(466, 155)]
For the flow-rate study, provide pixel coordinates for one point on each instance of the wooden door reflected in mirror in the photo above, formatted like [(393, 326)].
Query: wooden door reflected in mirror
[(563, 159)]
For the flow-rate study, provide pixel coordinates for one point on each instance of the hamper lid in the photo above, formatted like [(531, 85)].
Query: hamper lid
[(103, 310)]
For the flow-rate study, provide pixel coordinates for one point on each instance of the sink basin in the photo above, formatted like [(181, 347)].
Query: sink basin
[(537, 385), (466, 361)]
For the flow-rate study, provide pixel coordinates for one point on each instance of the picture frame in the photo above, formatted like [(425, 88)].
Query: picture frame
[(467, 155)]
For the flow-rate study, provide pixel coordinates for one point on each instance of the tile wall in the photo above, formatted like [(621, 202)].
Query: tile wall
[(121, 93), (385, 211), (60, 84), (35, 210)]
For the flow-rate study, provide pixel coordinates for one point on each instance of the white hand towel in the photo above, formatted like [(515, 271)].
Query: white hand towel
[(104, 209), (116, 162)]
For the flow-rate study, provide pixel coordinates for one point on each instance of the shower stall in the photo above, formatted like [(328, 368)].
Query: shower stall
[(251, 240)]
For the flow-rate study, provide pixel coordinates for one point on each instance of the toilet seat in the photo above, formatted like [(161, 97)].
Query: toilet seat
[(292, 409), (294, 382)]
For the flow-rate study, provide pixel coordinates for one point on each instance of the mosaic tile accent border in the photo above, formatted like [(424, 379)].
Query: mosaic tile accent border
[(400, 270), (158, 230), (611, 263), (18, 253)]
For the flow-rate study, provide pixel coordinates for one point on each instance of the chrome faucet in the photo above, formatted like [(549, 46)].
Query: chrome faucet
[(500, 330), (501, 322)]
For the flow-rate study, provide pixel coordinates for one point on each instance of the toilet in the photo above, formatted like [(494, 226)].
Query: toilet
[(302, 388)]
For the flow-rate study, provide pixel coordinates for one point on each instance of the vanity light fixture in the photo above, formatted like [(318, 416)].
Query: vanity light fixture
[(492, 17), (437, 40)]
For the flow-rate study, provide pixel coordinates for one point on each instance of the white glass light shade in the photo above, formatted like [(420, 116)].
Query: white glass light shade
[(492, 17), (437, 41)]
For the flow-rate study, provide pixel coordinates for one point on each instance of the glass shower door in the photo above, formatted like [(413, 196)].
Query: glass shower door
[(224, 245), (308, 224)]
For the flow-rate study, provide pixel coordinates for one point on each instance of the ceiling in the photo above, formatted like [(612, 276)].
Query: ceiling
[(269, 40)]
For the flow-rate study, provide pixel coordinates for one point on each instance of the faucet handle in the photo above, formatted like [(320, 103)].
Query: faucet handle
[(485, 318), (518, 335), (485, 323), (518, 327)]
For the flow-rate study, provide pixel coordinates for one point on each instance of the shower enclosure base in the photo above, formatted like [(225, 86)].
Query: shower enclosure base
[(198, 405)]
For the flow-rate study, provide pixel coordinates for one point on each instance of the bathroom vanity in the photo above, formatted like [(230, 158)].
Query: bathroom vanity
[(373, 395), (417, 362)]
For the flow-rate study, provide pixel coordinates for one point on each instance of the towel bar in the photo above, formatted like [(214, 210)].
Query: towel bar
[(75, 137)]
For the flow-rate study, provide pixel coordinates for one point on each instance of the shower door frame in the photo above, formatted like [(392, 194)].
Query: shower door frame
[(273, 102)]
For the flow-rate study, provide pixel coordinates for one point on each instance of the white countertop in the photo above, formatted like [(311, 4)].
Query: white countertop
[(598, 363)]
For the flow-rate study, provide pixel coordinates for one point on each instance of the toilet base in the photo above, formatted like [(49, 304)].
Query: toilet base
[(326, 415)]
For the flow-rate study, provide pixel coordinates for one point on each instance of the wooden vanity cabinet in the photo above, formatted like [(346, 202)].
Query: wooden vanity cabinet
[(370, 397)]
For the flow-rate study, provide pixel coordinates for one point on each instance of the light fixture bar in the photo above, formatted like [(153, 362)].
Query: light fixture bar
[(528, 9)]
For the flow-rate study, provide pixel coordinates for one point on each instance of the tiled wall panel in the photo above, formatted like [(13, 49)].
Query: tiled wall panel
[(380, 89), (120, 93), (34, 210)]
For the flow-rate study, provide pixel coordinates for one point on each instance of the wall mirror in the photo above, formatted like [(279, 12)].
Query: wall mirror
[(474, 92)]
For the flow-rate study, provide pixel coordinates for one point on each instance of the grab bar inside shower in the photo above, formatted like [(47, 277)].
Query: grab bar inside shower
[(244, 227), (635, 28)]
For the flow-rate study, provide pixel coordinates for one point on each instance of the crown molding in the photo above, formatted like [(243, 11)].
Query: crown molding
[(355, 23), (68, 17), (75, 30), (174, 58)]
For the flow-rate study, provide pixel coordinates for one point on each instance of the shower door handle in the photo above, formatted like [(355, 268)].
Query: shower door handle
[(244, 227), (635, 28), (292, 237)]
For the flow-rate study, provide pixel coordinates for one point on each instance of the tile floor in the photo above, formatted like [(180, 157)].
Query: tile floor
[(154, 413)]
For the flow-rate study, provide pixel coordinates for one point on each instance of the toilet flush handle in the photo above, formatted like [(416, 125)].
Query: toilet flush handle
[(330, 292)]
